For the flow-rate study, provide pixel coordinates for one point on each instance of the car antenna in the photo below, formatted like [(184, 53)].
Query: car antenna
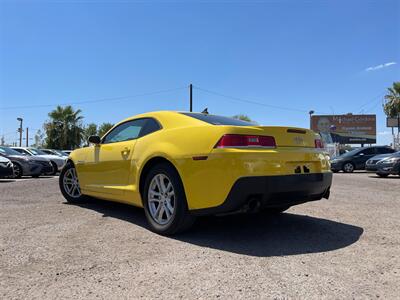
[(205, 111)]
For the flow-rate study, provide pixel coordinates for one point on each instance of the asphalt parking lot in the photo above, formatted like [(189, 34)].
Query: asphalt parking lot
[(344, 247)]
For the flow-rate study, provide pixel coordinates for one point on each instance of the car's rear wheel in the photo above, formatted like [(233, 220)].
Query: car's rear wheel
[(164, 201), (69, 184), (18, 172), (348, 168)]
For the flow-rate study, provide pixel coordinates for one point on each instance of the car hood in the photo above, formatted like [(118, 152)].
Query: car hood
[(381, 156), (50, 157), (4, 159)]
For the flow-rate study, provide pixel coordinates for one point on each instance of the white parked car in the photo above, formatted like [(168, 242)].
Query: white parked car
[(56, 161)]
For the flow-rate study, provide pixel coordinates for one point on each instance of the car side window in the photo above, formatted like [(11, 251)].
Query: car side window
[(385, 150), (150, 127), (126, 131), (369, 151)]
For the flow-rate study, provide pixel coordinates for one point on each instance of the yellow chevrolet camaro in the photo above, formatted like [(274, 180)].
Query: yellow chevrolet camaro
[(179, 165)]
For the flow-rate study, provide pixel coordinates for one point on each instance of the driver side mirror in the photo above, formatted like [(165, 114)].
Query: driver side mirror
[(94, 139)]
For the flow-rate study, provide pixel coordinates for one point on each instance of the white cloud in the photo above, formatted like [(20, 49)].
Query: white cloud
[(381, 66)]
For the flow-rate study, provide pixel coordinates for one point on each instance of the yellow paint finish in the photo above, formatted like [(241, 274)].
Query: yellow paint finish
[(112, 171)]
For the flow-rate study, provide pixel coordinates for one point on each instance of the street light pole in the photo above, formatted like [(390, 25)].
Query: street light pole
[(311, 112), (20, 131)]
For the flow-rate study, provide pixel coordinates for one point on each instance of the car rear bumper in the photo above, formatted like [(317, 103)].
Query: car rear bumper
[(259, 192)]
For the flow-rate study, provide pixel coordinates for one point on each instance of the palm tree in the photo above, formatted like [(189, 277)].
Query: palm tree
[(392, 103), (64, 130)]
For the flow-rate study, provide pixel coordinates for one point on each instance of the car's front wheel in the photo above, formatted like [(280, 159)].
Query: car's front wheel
[(164, 201), (17, 169), (69, 184), (348, 168)]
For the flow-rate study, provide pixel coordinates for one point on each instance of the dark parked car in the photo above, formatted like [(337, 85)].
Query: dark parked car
[(389, 165), (372, 163), (26, 165), (356, 159)]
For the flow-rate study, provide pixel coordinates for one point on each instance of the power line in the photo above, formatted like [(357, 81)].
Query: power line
[(93, 101), (237, 99)]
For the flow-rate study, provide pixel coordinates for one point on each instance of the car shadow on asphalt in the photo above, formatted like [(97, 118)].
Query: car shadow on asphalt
[(251, 234), (389, 177)]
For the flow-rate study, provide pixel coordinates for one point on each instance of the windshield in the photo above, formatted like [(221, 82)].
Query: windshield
[(8, 151), (218, 120), (60, 152), (350, 153), (37, 151)]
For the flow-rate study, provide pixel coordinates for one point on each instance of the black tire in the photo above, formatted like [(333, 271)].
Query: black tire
[(348, 167), (276, 210), (18, 172), (382, 175), (55, 168), (36, 176), (180, 219), (63, 190)]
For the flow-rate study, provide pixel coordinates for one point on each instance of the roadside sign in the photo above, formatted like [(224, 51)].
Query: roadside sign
[(392, 122)]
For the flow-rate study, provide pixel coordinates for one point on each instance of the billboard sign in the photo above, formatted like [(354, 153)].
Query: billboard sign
[(345, 129)]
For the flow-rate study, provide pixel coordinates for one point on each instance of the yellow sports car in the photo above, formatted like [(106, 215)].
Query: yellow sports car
[(179, 165)]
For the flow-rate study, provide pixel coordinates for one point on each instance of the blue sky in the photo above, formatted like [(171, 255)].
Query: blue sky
[(328, 56)]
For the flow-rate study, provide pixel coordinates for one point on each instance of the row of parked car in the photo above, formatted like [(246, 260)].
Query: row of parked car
[(382, 160), (16, 162)]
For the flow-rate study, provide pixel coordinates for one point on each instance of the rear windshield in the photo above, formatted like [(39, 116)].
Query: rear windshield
[(218, 120)]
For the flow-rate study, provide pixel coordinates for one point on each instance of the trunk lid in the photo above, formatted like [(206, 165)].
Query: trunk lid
[(284, 136)]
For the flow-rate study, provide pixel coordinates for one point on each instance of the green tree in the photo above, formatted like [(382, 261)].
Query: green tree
[(65, 129), (244, 118), (392, 100), (89, 129), (103, 128)]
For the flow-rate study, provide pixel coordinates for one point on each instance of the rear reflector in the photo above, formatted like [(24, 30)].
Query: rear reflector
[(238, 140), (319, 143)]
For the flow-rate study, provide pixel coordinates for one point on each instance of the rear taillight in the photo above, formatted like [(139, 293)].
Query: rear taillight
[(238, 140), (319, 143)]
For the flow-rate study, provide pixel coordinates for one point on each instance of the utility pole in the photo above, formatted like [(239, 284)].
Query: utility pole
[(20, 131), (191, 97), (27, 137)]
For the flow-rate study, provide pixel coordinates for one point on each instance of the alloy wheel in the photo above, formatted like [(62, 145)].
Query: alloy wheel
[(71, 183), (161, 199), (348, 168)]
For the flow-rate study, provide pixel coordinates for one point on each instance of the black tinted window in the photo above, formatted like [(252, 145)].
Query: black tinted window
[(126, 131), (149, 127), (218, 120), (369, 151)]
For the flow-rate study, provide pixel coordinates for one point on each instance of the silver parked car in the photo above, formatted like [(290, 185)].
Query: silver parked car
[(24, 165), (57, 161)]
